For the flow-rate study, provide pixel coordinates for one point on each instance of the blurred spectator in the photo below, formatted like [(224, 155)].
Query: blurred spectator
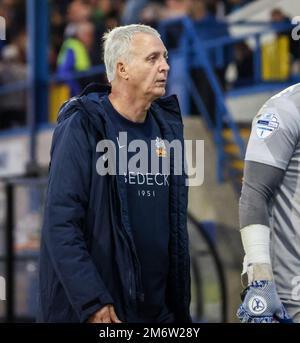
[(74, 53), (199, 10), (78, 11), (177, 8), (12, 105), (209, 28), (101, 9), (278, 17), (57, 23), (105, 16), (132, 11), (14, 13), (216, 8), (152, 14), (20, 40), (243, 56)]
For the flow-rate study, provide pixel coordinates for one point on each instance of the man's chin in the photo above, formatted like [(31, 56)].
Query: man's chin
[(158, 92), (161, 91)]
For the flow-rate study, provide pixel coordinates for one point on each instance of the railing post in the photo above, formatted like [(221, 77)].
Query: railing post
[(179, 66), (257, 59), (10, 263), (37, 108)]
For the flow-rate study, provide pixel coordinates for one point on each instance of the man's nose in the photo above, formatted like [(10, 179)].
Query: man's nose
[(164, 66)]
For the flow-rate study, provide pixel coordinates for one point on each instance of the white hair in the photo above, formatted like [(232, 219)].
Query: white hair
[(117, 44)]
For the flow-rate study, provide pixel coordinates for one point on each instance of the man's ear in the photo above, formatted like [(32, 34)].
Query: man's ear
[(122, 70)]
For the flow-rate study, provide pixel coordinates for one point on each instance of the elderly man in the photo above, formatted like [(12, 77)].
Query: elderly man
[(114, 246)]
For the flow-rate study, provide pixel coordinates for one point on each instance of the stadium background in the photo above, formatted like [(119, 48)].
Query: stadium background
[(227, 57)]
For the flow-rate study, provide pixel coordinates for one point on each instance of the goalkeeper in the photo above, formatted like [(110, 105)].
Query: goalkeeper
[(270, 213)]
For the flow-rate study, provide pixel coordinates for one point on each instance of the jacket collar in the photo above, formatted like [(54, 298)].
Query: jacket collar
[(169, 105)]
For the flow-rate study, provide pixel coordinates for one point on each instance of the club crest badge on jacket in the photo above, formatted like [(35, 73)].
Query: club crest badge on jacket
[(160, 147)]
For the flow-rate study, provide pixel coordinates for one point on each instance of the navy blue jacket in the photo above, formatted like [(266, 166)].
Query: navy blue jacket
[(88, 257)]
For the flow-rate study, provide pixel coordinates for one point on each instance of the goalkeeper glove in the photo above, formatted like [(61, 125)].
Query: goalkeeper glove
[(261, 304)]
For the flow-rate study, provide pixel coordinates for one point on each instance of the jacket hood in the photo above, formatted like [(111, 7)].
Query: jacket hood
[(90, 95)]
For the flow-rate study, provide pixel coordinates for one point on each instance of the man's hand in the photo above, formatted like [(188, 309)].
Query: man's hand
[(105, 315), (261, 304)]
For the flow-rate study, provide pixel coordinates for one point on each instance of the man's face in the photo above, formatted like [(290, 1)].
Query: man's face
[(147, 68), (277, 16)]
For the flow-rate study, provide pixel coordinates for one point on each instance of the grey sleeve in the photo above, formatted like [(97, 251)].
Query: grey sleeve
[(275, 133), (259, 185)]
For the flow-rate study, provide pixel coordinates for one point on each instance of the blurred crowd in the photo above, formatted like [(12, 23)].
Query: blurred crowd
[(66, 15), (75, 31)]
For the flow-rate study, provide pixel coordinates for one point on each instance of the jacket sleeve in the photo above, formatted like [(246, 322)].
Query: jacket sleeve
[(64, 217)]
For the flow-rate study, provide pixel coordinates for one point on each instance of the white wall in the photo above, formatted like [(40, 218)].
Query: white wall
[(14, 152), (243, 108)]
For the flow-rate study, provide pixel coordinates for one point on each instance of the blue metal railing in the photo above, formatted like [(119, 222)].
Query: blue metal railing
[(189, 45), (24, 85)]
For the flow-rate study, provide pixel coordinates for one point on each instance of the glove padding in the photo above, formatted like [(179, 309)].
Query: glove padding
[(261, 304)]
